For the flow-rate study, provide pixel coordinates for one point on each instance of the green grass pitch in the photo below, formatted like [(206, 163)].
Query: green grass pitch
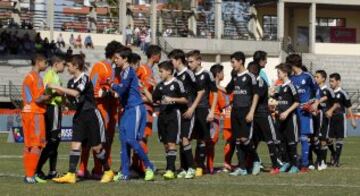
[(333, 181)]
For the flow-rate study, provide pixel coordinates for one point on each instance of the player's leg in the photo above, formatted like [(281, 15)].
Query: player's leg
[(173, 131), (323, 137), (306, 129), (55, 138), (203, 136), (34, 142), (134, 133), (268, 131), (291, 139), (49, 118), (186, 155), (341, 133), (210, 146), (229, 150)]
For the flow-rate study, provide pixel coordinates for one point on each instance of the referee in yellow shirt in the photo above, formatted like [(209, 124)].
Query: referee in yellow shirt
[(53, 117)]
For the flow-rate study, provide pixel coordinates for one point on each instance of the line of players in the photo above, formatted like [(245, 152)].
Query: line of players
[(189, 102)]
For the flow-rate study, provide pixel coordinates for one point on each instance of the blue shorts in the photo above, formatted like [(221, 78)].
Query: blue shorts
[(132, 123), (305, 122)]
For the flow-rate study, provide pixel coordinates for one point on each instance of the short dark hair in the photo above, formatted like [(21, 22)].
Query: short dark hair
[(77, 60), (166, 65), (254, 68), (196, 54), (37, 57), (153, 50), (335, 76), (215, 69), (111, 48), (124, 52), (294, 60), (55, 59), (177, 54), (284, 67), (134, 58), (238, 56), (322, 73), (259, 55)]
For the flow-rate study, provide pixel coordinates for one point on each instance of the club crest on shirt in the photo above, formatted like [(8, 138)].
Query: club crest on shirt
[(202, 77), (303, 82), (244, 79), (338, 96), (285, 90), (161, 88), (183, 77), (172, 87)]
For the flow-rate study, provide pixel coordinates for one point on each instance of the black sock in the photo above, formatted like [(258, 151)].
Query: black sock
[(323, 153), (201, 149), (317, 151), (74, 159), (273, 155), (241, 155), (183, 162), (339, 146), (292, 154), (189, 156), (332, 149), (250, 150), (53, 155), (101, 156), (170, 160), (311, 149), (43, 158), (283, 154)]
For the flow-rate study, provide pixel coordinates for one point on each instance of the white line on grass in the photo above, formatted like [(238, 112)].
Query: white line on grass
[(234, 183)]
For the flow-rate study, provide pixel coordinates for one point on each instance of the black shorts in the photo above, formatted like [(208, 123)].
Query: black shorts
[(338, 127), (88, 128), (202, 126), (324, 122), (240, 128), (288, 129), (187, 127), (53, 118), (264, 129), (169, 124)]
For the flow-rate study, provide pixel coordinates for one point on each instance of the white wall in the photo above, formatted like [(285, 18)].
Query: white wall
[(98, 39), (337, 49)]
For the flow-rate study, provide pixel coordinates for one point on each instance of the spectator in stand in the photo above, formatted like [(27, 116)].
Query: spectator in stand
[(60, 41), (147, 42), (129, 35), (78, 42), (142, 40), (92, 19), (69, 52), (72, 40), (88, 42), (137, 36), (28, 45)]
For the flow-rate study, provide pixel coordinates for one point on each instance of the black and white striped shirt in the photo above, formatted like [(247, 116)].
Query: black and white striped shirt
[(86, 100)]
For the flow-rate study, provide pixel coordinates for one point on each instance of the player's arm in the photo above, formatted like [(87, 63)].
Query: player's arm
[(255, 99), (68, 91), (213, 90), (126, 78), (347, 104), (156, 95), (314, 92), (181, 95), (229, 88)]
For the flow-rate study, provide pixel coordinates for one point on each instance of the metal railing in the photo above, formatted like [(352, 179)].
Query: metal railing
[(15, 95), (165, 46), (355, 99)]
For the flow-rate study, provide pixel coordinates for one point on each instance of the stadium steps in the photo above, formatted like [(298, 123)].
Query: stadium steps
[(347, 66)]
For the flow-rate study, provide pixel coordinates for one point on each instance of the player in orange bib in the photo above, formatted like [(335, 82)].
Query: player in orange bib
[(33, 120), (107, 103), (223, 103)]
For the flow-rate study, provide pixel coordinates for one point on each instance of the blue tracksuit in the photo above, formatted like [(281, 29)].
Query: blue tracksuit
[(307, 89), (133, 121)]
